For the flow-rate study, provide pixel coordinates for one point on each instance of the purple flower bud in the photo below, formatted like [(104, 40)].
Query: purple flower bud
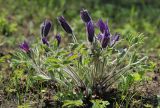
[(104, 37), (105, 41), (90, 31), (25, 47), (45, 41), (64, 24), (85, 16), (45, 27), (101, 25), (114, 39), (58, 38)]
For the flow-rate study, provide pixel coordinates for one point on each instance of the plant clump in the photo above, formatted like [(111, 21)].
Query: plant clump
[(84, 71)]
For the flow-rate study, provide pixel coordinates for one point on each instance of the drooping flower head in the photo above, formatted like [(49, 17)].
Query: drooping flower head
[(45, 41), (114, 39), (64, 24), (25, 47), (45, 28), (58, 38), (85, 16), (90, 31)]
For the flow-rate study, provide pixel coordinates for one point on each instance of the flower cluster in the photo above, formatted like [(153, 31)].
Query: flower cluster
[(44, 30), (105, 38)]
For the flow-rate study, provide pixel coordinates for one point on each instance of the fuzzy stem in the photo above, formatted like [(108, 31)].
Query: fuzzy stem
[(74, 38), (123, 70)]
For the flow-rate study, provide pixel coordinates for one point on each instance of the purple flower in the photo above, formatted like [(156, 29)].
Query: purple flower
[(104, 38), (64, 24), (25, 47), (45, 41), (105, 41), (100, 36), (45, 27), (114, 39), (85, 16), (58, 38), (90, 31), (101, 25)]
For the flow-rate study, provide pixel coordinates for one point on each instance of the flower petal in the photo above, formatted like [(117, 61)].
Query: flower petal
[(114, 39), (45, 28), (85, 16), (90, 31), (64, 24)]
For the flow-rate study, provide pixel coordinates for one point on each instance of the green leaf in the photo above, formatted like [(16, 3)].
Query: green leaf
[(56, 65), (73, 57), (66, 62), (99, 103), (73, 46), (41, 77), (25, 105), (72, 103), (2, 60), (53, 60), (136, 76), (148, 106)]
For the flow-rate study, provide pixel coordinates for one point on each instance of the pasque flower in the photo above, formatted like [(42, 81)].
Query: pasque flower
[(25, 47), (45, 28), (90, 31), (105, 40), (101, 25), (45, 41), (64, 24), (104, 36), (114, 39), (85, 16), (58, 38)]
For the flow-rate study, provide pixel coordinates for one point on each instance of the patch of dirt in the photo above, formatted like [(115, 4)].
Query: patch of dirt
[(150, 89), (153, 86)]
